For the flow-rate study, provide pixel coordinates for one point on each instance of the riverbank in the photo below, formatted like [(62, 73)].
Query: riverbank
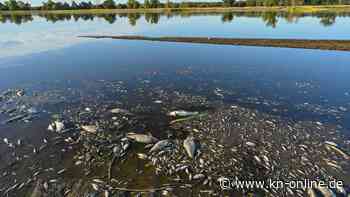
[(341, 45), (295, 9)]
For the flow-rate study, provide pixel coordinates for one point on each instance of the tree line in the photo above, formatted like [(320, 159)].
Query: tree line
[(270, 18), (135, 4)]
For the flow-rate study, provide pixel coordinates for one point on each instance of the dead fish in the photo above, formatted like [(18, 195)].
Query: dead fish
[(106, 193), (251, 144), (16, 118), (141, 156), (89, 128), (160, 145), (53, 181), (97, 181), (335, 147), (56, 126), (95, 186), (61, 171), (142, 138), (19, 142), (120, 111), (198, 176), (182, 113), (325, 191), (190, 146)]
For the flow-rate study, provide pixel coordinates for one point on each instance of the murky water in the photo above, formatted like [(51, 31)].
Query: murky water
[(62, 75)]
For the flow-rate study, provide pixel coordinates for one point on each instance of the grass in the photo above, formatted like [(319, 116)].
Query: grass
[(294, 9)]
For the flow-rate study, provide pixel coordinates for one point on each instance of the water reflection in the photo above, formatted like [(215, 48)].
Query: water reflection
[(270, 19)]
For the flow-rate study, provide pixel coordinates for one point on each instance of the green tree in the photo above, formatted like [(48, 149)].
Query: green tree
[(251, 2), (23, 6), (133, 4), (155, 3), (11, 4), (49, 5), (74, 5), (270, 3), (3, 6), (108, 4), (146, 4), (228, 3)]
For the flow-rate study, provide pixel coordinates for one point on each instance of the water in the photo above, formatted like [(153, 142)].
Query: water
[(43, 54), (28, 34)]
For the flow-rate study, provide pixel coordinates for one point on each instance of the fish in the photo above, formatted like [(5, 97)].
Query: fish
[(160, 145), (251, 144), (61, 171), (182, 113), (335, 147), (120, 111), (95, 186), (97, 181), (56, 126), (89, 128), (142, 138), (325, 191), (198, 176), (190, 146), (16, 118), (141, 156)]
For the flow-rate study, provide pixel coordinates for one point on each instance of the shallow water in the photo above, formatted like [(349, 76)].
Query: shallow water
[(68, 72)]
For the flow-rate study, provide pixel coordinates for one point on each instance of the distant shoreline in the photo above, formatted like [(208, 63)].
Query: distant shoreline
[(340, 45), (295, 9)]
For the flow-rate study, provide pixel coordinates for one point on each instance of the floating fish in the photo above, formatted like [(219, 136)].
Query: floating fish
[(198, 176), (142, 138), (97, 181), (95, 186), (160, 145), (333, 146), (182, 113), (141, 156), (16, 118), (56, 126), (89, 128), (190, 146), (120, 111)]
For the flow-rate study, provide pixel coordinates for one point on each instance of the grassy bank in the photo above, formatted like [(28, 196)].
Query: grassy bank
[(341, 45), (296, 9)]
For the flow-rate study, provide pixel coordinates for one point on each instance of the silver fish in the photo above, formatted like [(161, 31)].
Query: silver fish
[(182, 113), (89, 128), (142, 138), (190, 146), (160, 145)]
